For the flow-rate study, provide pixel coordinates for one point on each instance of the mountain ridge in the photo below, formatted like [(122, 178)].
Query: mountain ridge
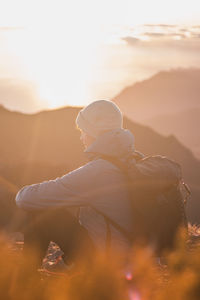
[(166, 93)]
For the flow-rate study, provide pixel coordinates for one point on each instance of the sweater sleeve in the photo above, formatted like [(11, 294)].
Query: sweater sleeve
[(70, 190)]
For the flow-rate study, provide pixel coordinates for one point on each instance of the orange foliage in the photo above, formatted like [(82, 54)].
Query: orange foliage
[(141, 278)]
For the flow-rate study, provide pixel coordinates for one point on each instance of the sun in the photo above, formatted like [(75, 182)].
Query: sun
[(59, 46), (59, 56), (62, 68)]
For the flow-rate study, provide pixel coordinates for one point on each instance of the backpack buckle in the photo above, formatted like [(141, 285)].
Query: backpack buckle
[(187, 190)]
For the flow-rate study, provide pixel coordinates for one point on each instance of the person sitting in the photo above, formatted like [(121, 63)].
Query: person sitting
[(97, 189)]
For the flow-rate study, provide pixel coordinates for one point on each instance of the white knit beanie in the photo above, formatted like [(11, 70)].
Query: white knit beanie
[(98, 117)]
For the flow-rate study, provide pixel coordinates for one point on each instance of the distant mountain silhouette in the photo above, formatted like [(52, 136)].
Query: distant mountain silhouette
[(167, 102), (184, 124), (47, 144)]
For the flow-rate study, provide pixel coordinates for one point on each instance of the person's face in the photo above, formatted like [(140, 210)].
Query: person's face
[(86, 139)]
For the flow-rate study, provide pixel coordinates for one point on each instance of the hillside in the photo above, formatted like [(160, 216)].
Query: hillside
[(184, 124), (168, 102), (47, 145)]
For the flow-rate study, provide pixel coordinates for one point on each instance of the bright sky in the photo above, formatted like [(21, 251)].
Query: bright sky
[(74, 51)]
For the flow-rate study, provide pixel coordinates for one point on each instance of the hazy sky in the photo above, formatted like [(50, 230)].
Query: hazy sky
[(55, 53)]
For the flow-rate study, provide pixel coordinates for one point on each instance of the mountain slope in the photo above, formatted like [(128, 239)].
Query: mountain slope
[(184, 124), (166, 91), (7, 201), (174, 93)]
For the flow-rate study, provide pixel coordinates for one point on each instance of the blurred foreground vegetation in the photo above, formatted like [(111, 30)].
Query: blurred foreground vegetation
[(178, 278)]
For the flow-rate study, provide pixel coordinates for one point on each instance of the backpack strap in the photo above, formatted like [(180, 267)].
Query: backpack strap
[(109, 222), (108, 235), (122, 167)]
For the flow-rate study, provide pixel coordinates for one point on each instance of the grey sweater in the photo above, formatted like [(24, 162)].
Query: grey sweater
[(98, 184)]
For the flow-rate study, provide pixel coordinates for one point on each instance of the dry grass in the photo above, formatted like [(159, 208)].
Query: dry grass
[(143, 278)]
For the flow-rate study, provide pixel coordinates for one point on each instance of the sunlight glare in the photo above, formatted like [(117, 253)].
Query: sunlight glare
[(61, 44), (59, 62)]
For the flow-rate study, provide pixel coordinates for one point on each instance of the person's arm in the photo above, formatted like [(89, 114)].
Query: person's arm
[(70, 190)]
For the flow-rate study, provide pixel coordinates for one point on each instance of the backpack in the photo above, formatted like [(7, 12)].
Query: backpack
[(157, 195)]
